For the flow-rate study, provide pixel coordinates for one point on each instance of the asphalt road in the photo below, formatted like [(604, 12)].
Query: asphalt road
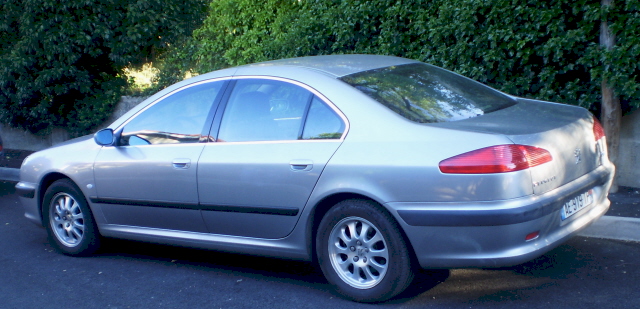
[(583, 273)]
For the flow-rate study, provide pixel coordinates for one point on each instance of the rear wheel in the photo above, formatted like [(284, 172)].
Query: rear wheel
[(68, 219), (362, 252)]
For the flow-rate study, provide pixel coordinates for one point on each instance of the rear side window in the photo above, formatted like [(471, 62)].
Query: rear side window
[(263, 110), (272, 110), (322, 122), (427, 94)]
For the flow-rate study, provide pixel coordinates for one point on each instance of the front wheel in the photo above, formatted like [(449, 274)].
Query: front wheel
[(362, 252), (68, 219)]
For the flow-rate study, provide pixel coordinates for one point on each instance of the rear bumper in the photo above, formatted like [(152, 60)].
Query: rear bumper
[(492, 234)]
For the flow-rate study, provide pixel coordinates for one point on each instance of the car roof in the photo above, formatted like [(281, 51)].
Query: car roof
[(333, 66), (337, 65)]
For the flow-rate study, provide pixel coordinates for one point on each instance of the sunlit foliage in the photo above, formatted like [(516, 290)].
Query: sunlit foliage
[(61, 62), (539, 49)]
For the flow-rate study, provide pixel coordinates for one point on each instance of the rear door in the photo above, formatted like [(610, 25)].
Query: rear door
[(275, 138)]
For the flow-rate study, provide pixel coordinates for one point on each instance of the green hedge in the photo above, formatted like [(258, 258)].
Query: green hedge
[(536, 49), (61, 62)]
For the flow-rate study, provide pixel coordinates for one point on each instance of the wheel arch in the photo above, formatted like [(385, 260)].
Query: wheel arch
[(323, 206), (46, 181)]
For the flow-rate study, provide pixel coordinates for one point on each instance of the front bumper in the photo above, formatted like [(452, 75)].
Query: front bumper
[(492, 234), (27, 192)]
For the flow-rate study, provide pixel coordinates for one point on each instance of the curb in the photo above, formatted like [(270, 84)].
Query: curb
[(607, 227), (617, 228)]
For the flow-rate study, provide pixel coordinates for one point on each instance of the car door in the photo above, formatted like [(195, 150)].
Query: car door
[(274, 139), (149, 178)]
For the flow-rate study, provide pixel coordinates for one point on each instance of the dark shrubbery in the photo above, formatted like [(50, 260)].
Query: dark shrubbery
[(61, 62)]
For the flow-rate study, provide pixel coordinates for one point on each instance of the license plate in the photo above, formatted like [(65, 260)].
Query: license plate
[(577, 203)]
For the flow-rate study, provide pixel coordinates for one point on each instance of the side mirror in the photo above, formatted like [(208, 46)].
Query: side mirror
[(104, 137)]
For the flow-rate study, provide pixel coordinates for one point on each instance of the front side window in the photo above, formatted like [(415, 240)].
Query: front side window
[(426, 94), (270, 110), (178, 118)]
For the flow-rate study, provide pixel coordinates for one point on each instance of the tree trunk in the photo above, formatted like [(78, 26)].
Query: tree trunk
[(611, 116), (611, 113)]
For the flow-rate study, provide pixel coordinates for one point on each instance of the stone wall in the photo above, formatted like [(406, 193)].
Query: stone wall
[(21, 139), (628, 167)]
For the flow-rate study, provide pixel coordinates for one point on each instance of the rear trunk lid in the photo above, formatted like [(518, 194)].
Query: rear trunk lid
[(565, 131)]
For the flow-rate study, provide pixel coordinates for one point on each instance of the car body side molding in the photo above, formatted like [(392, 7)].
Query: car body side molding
[(282, 211)]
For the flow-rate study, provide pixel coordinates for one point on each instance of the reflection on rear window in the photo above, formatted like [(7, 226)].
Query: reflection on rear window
[(424, 93)]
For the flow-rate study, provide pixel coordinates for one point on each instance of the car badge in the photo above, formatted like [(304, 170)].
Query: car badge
[(578, 155)]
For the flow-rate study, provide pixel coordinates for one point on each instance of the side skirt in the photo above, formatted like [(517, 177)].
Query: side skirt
[(286, 247)]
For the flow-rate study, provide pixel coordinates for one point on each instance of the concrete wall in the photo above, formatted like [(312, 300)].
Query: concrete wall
[(628, 167), (20, 139)]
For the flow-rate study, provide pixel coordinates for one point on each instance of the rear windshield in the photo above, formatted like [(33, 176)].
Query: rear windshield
[(426, 94)]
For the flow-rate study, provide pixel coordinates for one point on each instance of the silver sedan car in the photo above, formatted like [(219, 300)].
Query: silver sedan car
[(371, 166)]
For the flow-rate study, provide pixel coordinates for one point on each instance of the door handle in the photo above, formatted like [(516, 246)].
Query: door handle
[(301, 165), (181, 163)]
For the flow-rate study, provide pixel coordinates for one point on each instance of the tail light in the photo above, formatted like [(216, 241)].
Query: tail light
[(598, 131), (496, 159)]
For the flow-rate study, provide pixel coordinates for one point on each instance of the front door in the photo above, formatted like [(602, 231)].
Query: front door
[(149, 178)]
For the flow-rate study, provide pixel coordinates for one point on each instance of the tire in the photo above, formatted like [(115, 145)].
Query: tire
[(362, 252), (68, 220)]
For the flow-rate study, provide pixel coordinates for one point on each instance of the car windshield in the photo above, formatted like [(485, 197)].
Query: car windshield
[(426, 94)]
